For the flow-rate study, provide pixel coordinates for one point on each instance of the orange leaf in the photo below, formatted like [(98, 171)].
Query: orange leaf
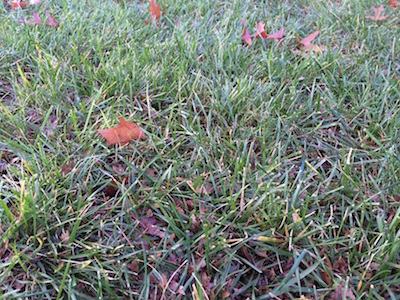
[(306, 42), (18, 4), (123, 133), (154, 9), (326, 277), (394, 3), (378, 11)]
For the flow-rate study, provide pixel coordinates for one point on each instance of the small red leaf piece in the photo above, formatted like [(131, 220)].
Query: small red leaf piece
[(378, 11), (123, 133), (246, 36), (306, 42), (36, 20), (276, 36), (16, 4), (260, 31), (154, 9), (52, 22), (394, 3)]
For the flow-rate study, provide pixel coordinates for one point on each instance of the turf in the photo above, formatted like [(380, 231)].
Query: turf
[(265, 174)]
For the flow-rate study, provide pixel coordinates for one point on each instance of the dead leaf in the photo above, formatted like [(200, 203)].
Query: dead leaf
[(133, 266), (123, 133), (3, 165), (64, 237), (276, 36), (326, 277), (246, 36), (111, 189), (225, 294), (378, 11), (271, 274), (260, 31), (67, 168), (4, 251), (36, 20), (307, 46), (340, 265), (17, 4), (36, 17), (155, 11), (340, 294), (394, 3), (306, 42), (148, 225), (177, 288), (52, 22)]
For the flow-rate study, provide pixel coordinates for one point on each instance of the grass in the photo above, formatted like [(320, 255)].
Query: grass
[(265, 175)]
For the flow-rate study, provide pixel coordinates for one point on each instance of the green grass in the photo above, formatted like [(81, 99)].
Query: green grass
[(265, 174)]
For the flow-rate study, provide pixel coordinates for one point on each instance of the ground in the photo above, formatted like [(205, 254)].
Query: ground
[(267, 172)]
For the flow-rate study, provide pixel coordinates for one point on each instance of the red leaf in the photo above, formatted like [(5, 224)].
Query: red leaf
[(18, 4), (394, 3), (306, 42), (378, 11), (154, 9), (260, 31), (277, 36), (37, 19), (123, 133), (246, 36), (51, 22)]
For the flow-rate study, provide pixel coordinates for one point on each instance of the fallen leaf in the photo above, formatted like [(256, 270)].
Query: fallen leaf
[(340, 294), (51, 22), (123, 133), (37, 19), (326, 277), (149, 227), (67, 168), (306, 42), (276, 36), (394, 3), (3, 165), (260, 31), (16, 4), (154, 9), (340, 265), (133, 266), (64, 237), (246, 36), (111, 189), (177, 288), (225, 294), (378, 11), (308, 46)]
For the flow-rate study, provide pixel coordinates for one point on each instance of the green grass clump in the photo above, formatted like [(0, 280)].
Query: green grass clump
[(265, 174)]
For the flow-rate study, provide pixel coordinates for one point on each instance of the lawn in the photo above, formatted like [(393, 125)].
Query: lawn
[(267, 172)]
